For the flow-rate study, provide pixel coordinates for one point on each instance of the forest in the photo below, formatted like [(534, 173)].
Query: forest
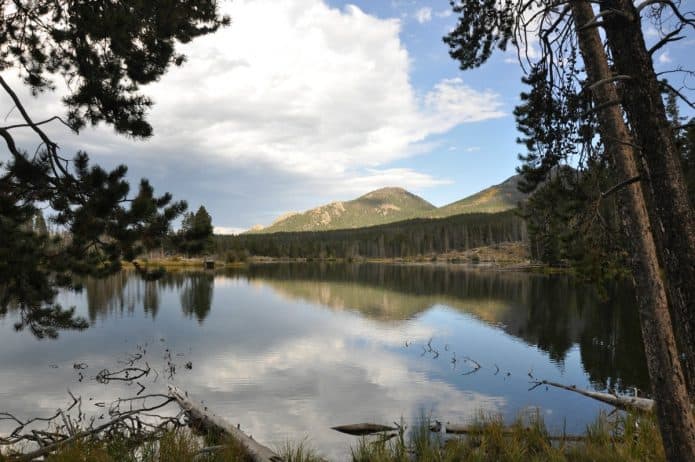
[(404, 239)]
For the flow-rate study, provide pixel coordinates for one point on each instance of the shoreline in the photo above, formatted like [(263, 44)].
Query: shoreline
[(500, 257)]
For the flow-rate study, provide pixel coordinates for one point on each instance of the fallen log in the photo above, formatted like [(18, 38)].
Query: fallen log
[(621, 402), (205, 419), (362, 429), (455, 429)]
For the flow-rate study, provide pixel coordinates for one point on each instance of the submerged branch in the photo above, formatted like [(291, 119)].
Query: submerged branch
[(621, 402)]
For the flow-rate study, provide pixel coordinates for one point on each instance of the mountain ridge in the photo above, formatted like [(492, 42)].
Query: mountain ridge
[(392, 204)]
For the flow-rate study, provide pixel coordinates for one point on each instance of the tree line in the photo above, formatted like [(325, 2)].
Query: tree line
[(404, 239)]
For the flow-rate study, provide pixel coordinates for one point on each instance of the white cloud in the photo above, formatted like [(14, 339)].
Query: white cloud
[(664, 58), (473, 149), (444, 13), (376, 178), (326, 93), (228, 230), (423, 15), (452, 102), (295, 88)]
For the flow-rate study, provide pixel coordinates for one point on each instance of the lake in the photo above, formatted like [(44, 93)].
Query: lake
[(290, 350)]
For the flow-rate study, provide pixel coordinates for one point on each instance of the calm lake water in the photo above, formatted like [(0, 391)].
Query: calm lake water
[(291, 350)]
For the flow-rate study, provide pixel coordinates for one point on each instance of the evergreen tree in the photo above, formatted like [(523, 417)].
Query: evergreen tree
[(656, 215), (195, 235), (106, 50)]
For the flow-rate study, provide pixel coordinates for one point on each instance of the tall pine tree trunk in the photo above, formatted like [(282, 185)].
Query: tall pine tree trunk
[(668, 384), (673, 219)]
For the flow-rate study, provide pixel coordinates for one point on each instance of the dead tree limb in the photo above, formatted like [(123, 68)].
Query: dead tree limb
[(622, 402), (257, 451), (456, 429)]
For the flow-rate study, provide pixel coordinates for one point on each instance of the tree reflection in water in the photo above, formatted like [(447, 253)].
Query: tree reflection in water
[(552, 313), (196, 295)]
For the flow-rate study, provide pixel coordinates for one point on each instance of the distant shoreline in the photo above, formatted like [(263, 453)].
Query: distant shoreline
[(499, 257)]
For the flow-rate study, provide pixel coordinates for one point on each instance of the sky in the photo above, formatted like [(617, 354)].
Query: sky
[(303, 102)]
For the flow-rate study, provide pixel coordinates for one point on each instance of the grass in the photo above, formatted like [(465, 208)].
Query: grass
[(627, 438), (299, 452), (624, 438)]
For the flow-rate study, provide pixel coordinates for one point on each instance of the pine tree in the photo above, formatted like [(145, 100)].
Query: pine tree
[(107, 51), (658, 221)]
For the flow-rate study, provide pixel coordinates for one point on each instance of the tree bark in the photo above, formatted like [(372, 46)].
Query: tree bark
[(672, 216), (676, 421)]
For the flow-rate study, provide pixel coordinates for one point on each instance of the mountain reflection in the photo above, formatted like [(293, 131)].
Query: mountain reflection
[(552, 313)]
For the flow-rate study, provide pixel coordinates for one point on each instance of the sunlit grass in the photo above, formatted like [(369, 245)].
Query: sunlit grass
[(625, 437)]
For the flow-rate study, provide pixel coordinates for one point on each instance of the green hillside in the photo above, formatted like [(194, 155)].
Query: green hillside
[(389, 205), (498, 198), (378, 207)]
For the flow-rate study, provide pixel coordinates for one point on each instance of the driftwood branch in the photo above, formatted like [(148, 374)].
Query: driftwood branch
[(362, 429), (622, 402), (455, 429), (202, 417)]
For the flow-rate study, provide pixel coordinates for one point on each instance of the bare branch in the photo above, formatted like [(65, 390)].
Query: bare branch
[(672, 6), (43, 122), (670, 87), (670, 37)]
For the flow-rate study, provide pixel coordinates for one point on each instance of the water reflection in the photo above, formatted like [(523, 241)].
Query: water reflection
[(196, 295), (121, 293), (290, 350), (553, 313)]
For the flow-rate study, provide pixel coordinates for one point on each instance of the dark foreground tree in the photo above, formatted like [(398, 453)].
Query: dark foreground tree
[(104, 51), (655, 142), (565, 31)]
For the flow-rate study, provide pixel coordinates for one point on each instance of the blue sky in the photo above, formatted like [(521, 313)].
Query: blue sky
[(471, 156), (303, 102)]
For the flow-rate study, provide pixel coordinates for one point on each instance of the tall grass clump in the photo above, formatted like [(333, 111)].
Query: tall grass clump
[(299, 451)]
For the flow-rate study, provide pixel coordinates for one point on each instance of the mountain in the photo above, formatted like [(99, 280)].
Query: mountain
[(388, 205), (498, 198), (378, 207)]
